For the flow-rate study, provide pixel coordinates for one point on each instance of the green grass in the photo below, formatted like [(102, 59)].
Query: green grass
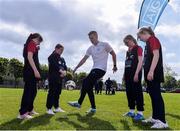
[(108, 116)]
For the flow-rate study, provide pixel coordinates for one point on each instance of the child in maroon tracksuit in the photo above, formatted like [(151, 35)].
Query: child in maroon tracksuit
[(153, 74), (31, 74), (132, 77)]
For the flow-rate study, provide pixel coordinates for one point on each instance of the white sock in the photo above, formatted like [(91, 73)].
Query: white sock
[(132, 110), (140, 112)]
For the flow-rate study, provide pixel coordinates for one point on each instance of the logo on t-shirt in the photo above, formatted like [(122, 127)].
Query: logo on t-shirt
[(98, 49), (131, 56)]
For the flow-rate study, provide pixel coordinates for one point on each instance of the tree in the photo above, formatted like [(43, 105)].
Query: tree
[(170, 82), (78, 78), (16, 69), (178, 83), (114, 85), (123, 84), (44, 71), (168, 71), (69, 70), (144, 84), (69, 75), (3, 68)]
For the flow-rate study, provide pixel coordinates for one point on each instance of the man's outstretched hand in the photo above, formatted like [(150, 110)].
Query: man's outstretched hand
[(114, 69)]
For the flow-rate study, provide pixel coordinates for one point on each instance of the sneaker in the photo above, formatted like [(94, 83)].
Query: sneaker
[(50, 112), (129, 114), (149, 120), (91, 110), (138, 117), (25, 116), (74, 104), (33, 113), (159, 125), (58, 110)]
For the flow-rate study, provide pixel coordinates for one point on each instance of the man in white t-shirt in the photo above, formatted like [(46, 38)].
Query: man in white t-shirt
[(99, 52)]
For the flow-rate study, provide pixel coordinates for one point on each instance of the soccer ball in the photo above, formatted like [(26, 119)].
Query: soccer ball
[(62, 73), (70, 85)]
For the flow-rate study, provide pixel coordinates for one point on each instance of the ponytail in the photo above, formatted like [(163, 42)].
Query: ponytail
[(30, 37), (144, 30)]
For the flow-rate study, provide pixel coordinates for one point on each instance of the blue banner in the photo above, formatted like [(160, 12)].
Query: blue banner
[(150, 12)]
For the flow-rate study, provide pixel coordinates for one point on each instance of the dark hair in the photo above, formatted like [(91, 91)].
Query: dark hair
[(92, 32), (30, 37), (58, 46), (33, 36), (144, 30), (129, 37)]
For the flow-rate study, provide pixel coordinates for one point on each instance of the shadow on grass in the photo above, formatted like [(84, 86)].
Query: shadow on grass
[(125, 124), (143, 126), (92, 123), (16, 124), (174, 116)]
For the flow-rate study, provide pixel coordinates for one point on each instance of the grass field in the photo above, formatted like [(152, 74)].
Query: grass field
[(108, 116)]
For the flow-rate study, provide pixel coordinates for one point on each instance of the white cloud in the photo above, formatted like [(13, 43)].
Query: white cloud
[(18, 28), (118, 75), (122, 48), (175, 4), (68, 22), (117, 12), (170, 55), (164, 49), (174, 64), (10, 50), (169, 30), (114, 13), (175, 67)]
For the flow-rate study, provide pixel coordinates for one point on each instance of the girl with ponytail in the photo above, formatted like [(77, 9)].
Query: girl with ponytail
[(31, 74), (154, 76)]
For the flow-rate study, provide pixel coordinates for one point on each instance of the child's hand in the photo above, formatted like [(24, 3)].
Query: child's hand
[(62, 73), (150, 75), (136, 78), (37, 75)]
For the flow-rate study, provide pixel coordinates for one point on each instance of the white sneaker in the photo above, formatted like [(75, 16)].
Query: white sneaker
[(59, 110), (33, 113), (149, 120), (159, 125), (50, 112), (91, 110), (25, 116)]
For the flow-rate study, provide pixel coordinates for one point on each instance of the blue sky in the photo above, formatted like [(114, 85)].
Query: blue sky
[(69, 21)]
